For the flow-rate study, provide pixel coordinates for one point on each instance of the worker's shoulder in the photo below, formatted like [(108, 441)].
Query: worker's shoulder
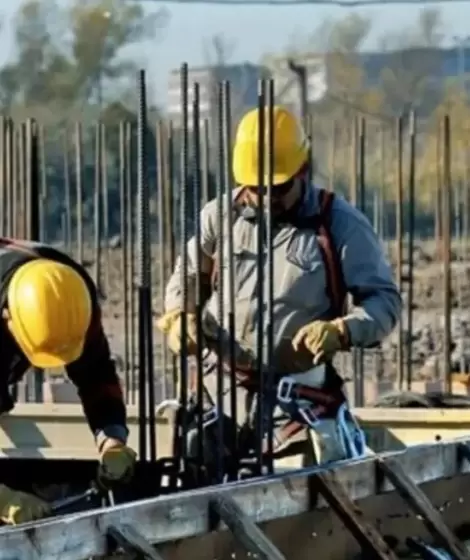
[(345, 216)]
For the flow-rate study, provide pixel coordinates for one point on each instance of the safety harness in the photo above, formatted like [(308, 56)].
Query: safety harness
[(326, 402)]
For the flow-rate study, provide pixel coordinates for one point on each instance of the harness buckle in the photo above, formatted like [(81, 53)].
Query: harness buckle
[(309, 416), (351, 435), (284, 390), (210, 417), (209, 362)]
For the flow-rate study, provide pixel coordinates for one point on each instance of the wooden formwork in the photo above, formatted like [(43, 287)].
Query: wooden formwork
[(381, 506)]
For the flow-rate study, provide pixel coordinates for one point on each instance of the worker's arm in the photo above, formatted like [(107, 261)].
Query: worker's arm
[(173, 295), (95, 377), (368, 277)]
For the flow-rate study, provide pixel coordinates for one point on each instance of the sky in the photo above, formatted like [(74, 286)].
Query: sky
[(255, 30)]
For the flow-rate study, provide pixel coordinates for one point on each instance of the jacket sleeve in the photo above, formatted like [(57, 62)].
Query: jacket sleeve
[(94, 375), (173, 295), (369, 278)]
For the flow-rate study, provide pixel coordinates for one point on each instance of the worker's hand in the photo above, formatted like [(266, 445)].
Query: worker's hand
[(19, 507), (117, 462), (170, 324), (322, 339)]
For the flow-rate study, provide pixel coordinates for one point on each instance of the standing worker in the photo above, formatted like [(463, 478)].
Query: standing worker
[(51, 319), (323, 249)]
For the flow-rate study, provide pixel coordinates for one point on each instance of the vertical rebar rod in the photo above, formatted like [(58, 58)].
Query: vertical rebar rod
[(146, 373), (162, 192), (97, 210), (44, 190), (184, 259), (332, 156), (79, 191), (33, 189), (130, 196), (9, 177), (270, 278), (199, 302), (67, 194), (22, 217), (411, 228), (353, 191), (124, 253), (11, 204), (221, 285), (227, 148), (260, 258), (105, 198), (15, 182), (2, 175), (361, 204), (206, 175), (399, 244), (169, 200), (446, 239)]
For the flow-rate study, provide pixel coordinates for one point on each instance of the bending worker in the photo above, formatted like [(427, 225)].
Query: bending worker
[(51, 319), (322, 246)]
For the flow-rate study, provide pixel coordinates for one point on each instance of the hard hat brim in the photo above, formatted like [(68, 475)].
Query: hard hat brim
[(247, 176), (46, 360)]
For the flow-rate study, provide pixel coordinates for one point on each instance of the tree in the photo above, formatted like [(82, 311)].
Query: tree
[(347, 95), (408, 81), (67, 57), (28, 79), (453, 105), (101, 29)]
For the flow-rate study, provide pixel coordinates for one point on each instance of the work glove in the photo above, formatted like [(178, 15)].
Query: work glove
[(170, 325), (19, 507), (117, 462), (322, 339)]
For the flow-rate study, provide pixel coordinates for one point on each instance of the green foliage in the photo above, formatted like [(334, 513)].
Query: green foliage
[(70, 65)]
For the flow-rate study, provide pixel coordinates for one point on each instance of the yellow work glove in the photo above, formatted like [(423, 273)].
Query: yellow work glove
[(19, 507), (170, 325), (322, 339), (117, 462)]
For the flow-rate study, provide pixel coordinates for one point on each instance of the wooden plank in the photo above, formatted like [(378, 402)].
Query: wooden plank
[(186, 514), (35, 430), (243, 529), (351, 515), (421, 505)]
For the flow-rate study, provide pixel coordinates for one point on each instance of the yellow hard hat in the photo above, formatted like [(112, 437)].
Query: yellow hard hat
[(291, 147), (50, 309)]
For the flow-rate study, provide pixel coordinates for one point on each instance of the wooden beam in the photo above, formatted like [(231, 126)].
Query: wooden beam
[(132, 542), (244, 530), (37, 430), (186, 514), (419, 503), (370, 540)]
